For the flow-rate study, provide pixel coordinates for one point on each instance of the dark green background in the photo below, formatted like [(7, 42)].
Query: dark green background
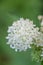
[(11, 10)]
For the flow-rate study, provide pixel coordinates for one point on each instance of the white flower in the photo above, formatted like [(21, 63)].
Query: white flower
[(39, 40), (21, 34), (42, 23), (40, 17)]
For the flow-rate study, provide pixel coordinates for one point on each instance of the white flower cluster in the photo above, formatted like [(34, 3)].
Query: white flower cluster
[(21, 34), (39, 40)]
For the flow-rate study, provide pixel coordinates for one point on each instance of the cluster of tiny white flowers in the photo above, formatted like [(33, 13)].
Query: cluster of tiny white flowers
[(41, 29), (21, 34), (39, 39)]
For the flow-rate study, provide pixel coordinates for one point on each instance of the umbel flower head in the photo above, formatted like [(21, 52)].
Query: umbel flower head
[(21, 34), (37, 47), (40, 38)]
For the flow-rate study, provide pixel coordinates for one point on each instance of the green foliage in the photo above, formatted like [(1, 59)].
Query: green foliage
[(36, 53)]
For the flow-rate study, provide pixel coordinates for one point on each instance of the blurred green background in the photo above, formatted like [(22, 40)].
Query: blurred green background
[(11, 10)]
